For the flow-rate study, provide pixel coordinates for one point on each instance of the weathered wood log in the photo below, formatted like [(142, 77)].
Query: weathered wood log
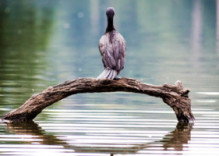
[(173, 95)]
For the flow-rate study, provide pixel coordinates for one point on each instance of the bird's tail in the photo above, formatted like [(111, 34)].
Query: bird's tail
[(107, 74)]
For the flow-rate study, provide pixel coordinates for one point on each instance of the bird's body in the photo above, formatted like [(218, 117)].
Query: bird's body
[(112, 48)]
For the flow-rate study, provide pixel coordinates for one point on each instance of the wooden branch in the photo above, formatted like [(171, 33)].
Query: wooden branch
[(173, 95)]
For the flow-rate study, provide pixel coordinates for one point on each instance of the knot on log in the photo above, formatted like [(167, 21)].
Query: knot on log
[(179, 101), (178, 88), (173, 95)]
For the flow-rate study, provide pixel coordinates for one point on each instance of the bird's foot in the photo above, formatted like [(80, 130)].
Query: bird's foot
[(116, 78)]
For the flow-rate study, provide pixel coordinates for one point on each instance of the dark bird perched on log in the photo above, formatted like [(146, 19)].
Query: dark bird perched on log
[(112, 49)]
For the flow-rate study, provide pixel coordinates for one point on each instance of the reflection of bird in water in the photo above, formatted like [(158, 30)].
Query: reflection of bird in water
[(112, 49)]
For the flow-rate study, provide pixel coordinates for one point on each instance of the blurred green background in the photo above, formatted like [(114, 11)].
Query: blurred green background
[(46, 42)]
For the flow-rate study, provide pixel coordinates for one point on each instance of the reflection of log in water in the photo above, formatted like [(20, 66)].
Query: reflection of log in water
[(175, 139)]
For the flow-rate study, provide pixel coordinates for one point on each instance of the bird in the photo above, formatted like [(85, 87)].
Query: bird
[(112, 47)]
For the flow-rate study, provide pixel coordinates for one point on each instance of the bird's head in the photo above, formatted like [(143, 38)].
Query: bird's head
[(110, 12)]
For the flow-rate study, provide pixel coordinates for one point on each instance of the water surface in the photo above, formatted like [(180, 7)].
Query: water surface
[(43, 43)]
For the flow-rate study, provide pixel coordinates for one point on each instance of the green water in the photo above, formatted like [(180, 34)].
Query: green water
[(46, 42)]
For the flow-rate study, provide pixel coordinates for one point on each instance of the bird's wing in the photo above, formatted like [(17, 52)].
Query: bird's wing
[(119, 52), (106, 52)]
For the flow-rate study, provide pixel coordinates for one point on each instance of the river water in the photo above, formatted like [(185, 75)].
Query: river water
[(46, 42)]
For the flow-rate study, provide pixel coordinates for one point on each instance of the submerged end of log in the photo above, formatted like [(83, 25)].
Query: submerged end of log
[(176, 96), (181, 104)]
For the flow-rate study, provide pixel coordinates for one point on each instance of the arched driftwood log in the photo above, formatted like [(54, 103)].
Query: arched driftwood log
[(174, 95)]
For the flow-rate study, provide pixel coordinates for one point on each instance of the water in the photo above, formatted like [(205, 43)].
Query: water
[(43, 43)]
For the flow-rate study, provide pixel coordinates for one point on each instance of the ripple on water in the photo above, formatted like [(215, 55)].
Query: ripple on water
[(208, 93)]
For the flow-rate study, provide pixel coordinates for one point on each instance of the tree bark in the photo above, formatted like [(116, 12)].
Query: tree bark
[(173, 95)]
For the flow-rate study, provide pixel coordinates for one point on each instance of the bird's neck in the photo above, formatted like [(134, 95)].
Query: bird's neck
[(110, 27)]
